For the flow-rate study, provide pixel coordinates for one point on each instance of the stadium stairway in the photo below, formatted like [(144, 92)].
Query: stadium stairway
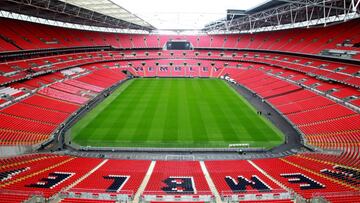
[(268, 176), (210, 182), (86, 175), (56, 197), (145, 181), (311, 171), (10, 184), (322, 160)]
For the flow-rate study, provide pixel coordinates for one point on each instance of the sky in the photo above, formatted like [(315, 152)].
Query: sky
[(183, 14)]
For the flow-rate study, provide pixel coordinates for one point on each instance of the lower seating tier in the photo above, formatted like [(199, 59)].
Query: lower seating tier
[(76, 179)]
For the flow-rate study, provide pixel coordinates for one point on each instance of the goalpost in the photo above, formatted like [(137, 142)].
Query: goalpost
[(239, 145)]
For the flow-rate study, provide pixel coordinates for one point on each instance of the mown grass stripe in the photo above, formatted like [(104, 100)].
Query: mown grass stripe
[(181, 112)]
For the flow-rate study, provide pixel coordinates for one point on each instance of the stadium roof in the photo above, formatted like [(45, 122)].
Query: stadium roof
[(265, 5), (285, 14), (201, 16), (184, 14), (109, 8), (80, 13)]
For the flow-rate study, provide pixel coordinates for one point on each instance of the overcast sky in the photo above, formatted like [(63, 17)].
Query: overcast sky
[(183, 14)]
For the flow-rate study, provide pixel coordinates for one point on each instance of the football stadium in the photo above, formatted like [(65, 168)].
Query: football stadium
[(179, 101)]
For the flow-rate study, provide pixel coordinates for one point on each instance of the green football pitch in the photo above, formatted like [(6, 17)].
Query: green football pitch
[(174, 112)]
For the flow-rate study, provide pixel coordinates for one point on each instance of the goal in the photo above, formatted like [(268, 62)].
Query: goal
[(239, 145)]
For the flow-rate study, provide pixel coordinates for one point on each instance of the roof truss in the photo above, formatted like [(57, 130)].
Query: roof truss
[(69, 13), (300, 13)]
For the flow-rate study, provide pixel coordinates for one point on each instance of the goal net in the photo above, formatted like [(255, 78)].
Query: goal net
[(239, 145)]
